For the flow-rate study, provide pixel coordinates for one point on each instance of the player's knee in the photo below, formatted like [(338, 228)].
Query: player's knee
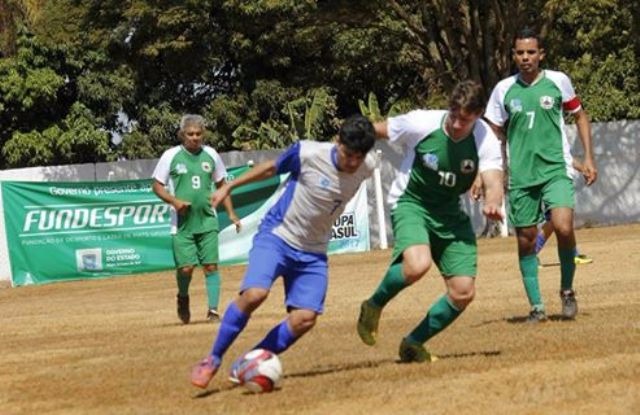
[(186, 270), (302, 321), (209, 268), (462, 297), (565, 229), (414, 270), (252, 298)]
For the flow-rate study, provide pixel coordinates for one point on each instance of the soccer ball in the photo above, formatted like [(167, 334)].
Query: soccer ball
[(259, 371)]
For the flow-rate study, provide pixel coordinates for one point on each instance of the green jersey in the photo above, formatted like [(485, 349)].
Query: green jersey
[(532, 114), (437, 169), (191, 177)]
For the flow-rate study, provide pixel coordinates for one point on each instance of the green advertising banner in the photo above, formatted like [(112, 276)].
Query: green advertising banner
[(61, 231)]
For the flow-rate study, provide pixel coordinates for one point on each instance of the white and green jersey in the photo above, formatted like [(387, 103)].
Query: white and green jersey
[(191, 177), (538, 149), (436, 169)]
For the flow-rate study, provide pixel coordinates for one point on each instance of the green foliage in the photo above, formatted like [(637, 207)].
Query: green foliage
[(267, 72), (154, 132), (76, 140), (310, 118)]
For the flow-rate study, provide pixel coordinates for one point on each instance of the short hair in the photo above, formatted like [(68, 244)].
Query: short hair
[(192, 119), (468, 96), (357, 134), (528, 33)]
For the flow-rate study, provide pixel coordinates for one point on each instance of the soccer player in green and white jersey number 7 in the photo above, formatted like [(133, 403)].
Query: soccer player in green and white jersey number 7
[(528, 109), (184, 178), (444, 151)]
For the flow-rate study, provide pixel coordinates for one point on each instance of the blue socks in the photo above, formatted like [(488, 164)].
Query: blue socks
[(233, 322), (540, 241), (279, 339)]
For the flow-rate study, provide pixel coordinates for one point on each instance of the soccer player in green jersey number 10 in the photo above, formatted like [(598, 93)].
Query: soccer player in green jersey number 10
[(444, 150), (527, 108), (184, 178)]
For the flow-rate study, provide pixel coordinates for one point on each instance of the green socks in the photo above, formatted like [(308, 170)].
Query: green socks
[(440, 315), (183, 282), (212, 281), (392, 283), (567, 267), (529, 270)]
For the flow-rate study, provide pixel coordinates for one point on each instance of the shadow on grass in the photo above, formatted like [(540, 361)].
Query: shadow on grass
[(346, 367), (523, 320)]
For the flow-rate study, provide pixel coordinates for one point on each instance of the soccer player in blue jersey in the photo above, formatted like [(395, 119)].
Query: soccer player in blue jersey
[(292, 239)]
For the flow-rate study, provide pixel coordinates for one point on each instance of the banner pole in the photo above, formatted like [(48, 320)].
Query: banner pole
[(377, 182)]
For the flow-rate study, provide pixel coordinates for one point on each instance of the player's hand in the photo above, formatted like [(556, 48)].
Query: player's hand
[(236, 221), (492, 211), (590, 172), (219, 195), (181, 206), (476, 192)]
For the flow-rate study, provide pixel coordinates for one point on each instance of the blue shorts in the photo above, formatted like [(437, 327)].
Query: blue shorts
[(304, 273)]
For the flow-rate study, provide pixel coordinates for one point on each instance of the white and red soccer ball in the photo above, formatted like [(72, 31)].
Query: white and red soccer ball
[(259, 371)]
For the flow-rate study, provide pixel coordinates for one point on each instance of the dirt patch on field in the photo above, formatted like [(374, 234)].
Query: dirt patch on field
[(115, 346)]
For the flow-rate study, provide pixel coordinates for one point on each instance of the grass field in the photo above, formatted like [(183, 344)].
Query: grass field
[(115, 346)]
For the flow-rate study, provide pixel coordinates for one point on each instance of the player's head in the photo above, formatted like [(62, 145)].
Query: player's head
[(466, 105), (528, 51), (191, 131), (355, 138)]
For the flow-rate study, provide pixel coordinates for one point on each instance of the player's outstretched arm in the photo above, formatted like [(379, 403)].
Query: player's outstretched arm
[(589, 169), (259, 172), (228, 206), (493, 193)]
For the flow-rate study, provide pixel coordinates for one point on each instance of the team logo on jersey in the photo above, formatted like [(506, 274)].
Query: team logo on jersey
[(324, 182), (546, 102), (206, 166), (467, 166), (181, 168), (431, 161), (515, 105)]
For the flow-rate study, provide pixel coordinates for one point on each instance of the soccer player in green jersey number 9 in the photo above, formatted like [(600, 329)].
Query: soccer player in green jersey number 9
[(444, 150), (184, 178), (527, 108)]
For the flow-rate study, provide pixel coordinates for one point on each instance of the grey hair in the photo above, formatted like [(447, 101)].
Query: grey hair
[(192, 119)]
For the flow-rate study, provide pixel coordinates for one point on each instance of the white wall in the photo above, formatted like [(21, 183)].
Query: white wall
[(614, 199)]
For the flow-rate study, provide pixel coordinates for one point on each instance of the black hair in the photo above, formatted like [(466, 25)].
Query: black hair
[(528, 33), (357, 134)]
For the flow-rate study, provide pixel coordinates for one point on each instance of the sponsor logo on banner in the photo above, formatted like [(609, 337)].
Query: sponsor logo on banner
[(344, 227), (89, 259)]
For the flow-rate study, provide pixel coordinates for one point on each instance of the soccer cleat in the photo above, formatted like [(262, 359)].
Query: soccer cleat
[(233, 373), (411, 351), (368, 322), (184, 314), (203, 372), (582, 259), (537, 316), (213, 315), (569, 304)]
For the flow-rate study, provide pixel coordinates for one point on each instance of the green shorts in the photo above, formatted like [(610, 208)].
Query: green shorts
[(527, 205), (194, 249), (451, 237)]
